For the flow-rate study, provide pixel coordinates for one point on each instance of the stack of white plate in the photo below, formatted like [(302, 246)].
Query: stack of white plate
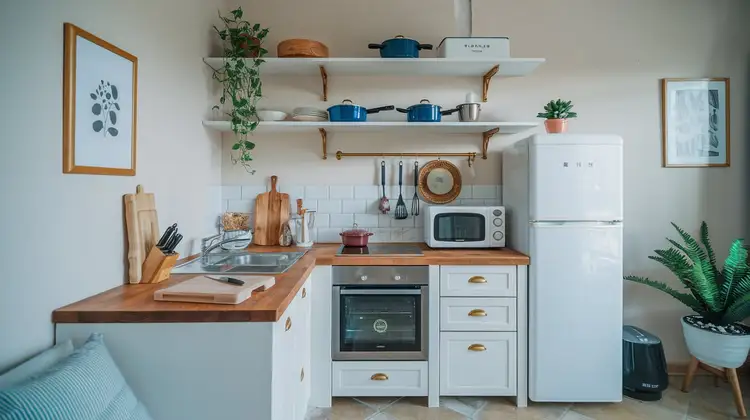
[(305, 113)]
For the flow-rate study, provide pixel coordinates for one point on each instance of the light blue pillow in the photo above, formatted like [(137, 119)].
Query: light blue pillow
[(87, 385), (36, 364)]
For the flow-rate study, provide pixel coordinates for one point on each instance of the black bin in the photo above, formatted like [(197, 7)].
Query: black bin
[(644, 367)]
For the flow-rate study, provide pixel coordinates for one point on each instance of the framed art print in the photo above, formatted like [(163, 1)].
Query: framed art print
[(695, 122), (100, 84)]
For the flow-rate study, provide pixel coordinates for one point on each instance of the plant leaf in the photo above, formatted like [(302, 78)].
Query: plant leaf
[(114, 92), (249, 145), (96, 109), (685, 298), (98, 125), (112, 131), (117, 106), (93, 96), (113, 117), (738, 311), (734, 267), (236, 146)]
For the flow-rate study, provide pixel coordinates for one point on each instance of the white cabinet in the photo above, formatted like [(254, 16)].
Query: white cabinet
[(380, 379), (478, 363), (481, 281), (477, 314)]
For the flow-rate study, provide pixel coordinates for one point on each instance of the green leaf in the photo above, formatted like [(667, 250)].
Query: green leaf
[(738, 311), (236, 146), (249, 145), (694, 250), (256, 27), (734, 266), (685, 298), (707, 243)]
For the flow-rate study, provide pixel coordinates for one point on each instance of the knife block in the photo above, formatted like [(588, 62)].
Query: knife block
[(158, 266)]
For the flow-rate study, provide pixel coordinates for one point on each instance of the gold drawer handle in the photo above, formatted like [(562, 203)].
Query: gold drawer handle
[(477, 279), (477, 347), (478, 312), (379, 377), (302, 374), (304, 292), (288, 324)]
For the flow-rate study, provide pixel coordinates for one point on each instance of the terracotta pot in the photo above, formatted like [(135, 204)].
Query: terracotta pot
[(556, 125)]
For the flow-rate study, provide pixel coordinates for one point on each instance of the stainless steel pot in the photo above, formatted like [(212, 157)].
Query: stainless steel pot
[(469, 112)]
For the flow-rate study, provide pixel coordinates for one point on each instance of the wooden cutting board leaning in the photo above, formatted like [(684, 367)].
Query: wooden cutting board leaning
[(202, 289), (271, 212), (142, 228)]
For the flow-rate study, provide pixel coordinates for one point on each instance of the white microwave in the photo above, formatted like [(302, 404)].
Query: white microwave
[(464, 227)]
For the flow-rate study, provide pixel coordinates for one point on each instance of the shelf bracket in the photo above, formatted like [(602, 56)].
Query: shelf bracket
[(324, 77), (486, 82), (324, 140), (486, 136)]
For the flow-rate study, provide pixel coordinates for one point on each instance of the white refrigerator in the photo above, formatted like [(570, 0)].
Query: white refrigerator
[(564, 208)]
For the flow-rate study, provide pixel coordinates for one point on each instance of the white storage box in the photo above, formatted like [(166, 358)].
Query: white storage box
[(460, 47)]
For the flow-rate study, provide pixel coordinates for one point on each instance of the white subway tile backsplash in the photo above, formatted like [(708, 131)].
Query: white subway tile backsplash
[(397, 235), (231, 192), (373, 206), (241, 206), (367, 192), (492, 202), (465, 192), (354, 206), (412, 235), (408, 191), (380, 235), (419, 220), (472, 202), (295, 192), (329, 235), (404, 223), (249, 192), (484, 191), (384, 220), (341, 191), (322, 220), (366, 220), (316, 192), (342, 221), (329, 206)]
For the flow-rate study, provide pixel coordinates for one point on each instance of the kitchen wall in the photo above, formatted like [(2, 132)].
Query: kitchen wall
[(63, 235), (605, 55)]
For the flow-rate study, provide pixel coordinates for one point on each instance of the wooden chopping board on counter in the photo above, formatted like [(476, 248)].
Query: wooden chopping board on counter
[(271, 212), (142, 227), (202, 289)]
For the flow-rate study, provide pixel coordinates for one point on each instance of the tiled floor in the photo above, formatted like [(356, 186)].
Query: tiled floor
[(703, 402)]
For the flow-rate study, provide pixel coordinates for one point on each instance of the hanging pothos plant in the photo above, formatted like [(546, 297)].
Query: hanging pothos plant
[(240, 78)]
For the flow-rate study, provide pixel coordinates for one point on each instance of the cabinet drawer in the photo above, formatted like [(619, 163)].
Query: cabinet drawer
[(477, 314), (478, 363), (380, 379), (481, 281)]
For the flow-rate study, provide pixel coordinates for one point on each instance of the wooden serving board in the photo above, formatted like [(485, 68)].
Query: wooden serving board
[(204, 290), (271, 212), (142, 225)]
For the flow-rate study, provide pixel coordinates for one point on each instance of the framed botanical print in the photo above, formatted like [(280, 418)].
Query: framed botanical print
[(100, 84), (695, 122)]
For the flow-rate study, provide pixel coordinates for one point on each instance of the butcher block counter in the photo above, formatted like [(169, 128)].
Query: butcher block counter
[(134, 303)]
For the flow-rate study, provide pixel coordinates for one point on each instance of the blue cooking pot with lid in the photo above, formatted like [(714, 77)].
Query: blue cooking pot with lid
[(400, 47), (424, 111), (347, 111)]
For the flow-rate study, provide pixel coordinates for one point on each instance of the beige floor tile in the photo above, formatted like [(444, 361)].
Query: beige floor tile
[(464, 406), (377, 403), (708, 402), (572, 415), (505, 408), (628, 409), (343, 409), (673, 398), (416, 409)]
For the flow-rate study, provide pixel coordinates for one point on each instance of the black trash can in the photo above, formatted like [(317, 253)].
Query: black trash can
[(644, 367)]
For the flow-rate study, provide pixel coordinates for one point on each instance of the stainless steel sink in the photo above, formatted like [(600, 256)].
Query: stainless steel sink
[(241, 262)]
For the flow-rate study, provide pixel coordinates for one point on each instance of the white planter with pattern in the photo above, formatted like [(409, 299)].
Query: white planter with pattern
[(720, 350)]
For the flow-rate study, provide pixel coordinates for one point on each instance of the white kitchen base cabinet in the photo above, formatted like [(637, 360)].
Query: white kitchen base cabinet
[(477, 363), (380, 379)]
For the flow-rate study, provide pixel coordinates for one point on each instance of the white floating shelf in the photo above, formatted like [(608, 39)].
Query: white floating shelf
[(448, 127), (325, 67)]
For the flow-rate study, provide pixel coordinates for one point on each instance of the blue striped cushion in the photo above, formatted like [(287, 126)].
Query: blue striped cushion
[(85, 386)]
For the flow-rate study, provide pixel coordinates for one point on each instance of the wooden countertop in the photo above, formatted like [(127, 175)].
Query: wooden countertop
[(134, 303)]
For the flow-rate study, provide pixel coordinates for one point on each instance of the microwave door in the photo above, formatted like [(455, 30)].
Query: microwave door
[(459, 227)]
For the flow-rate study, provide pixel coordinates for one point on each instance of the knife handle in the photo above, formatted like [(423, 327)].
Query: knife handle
[(299, 207)]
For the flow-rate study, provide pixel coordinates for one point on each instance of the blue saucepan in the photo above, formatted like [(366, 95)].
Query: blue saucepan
[(346, 111), (400, 47), (424, 111)]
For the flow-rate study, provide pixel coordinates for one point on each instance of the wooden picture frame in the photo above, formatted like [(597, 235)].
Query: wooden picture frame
[(695, 115), (99, 119)]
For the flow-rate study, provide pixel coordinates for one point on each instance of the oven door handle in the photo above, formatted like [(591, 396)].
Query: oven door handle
[(380, 292)]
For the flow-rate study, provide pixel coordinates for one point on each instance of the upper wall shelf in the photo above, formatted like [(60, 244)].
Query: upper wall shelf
[(484, 68)]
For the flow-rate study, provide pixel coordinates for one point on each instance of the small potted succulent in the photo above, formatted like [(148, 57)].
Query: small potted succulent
[(557, 113), (721, 298)]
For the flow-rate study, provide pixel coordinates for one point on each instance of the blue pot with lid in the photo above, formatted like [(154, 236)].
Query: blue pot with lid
[(347, 111), (400, 47), (424, 111)]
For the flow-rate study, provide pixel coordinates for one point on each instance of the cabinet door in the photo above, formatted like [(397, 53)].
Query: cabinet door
[(480, 281), (302, 346), (478, 363), (477, 314), (286, 369)]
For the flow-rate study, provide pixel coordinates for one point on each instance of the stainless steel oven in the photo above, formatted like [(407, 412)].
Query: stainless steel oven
[(380, 312)]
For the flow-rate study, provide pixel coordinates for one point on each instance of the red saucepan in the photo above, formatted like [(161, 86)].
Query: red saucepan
[(355, 236)]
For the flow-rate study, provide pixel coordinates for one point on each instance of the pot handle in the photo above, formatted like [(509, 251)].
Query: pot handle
[(449, 111), (405, 111), (380, 108), (424, 46), (375, 46), (424, 101), (347, 100)]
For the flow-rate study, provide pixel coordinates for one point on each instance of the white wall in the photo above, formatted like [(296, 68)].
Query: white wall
[(605, 55), (63, 235)]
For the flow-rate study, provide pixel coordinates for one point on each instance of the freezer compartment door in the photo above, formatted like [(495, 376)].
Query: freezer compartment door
[(576, 182), (575, 312)]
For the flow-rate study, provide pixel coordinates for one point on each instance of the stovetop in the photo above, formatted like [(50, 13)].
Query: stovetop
[(382, 250)]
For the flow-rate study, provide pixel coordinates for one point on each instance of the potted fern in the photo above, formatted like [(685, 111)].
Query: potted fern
[(240, 79), (557, 113), (720, 297)]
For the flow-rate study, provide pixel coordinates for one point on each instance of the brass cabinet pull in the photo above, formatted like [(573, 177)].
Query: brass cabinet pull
[(304, 292), (477, 312), (477, 279), (288, 324), (477, 347), (302, 374), (379, 377)]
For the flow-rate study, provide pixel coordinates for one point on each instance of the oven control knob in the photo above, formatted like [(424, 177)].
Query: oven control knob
[(497, 222), (363, 278), (498, 236), (497, 213), (397, 277)]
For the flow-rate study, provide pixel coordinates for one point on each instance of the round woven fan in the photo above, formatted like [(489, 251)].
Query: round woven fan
[(439, 182)]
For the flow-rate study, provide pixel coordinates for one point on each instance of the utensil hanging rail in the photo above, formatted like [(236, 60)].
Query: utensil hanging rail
[(470, 155)]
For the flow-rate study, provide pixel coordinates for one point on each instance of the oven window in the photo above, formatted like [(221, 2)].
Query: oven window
[(380, 322), (459, 227)]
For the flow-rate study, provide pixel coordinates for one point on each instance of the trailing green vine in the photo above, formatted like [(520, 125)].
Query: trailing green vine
[(240, 79)]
